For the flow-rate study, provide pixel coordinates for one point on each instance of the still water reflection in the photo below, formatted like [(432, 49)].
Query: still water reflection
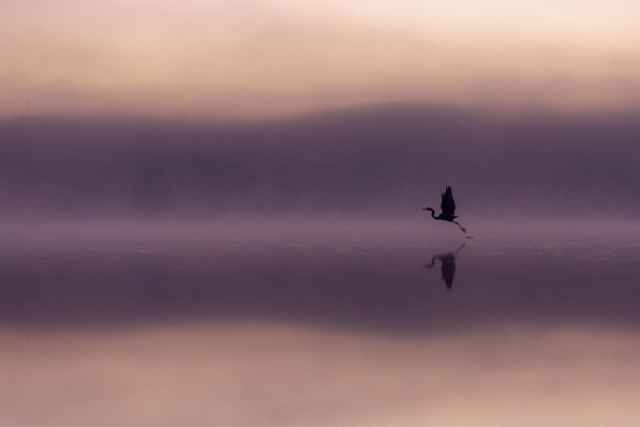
[(447, 265), (317, 323)]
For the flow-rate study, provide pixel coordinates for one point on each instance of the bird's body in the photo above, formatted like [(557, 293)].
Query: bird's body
[(448, 208)]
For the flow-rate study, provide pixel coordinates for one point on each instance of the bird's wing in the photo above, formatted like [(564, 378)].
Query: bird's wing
[(448, 205)]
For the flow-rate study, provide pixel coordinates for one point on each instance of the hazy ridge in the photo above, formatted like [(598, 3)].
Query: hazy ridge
[(376, 160)]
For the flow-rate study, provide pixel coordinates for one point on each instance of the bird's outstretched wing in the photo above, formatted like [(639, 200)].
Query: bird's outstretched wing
[(448, 205)]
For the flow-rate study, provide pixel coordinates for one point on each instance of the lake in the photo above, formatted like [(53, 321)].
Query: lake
[(320, 321)]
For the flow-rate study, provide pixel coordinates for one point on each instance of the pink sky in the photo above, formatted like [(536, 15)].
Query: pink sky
[(255, 58)]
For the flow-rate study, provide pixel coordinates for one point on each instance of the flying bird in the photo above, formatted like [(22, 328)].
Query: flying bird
[(448, 208)]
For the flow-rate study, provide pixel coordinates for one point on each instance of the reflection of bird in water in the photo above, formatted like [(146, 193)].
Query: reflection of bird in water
[(447, 264), (448, 207)]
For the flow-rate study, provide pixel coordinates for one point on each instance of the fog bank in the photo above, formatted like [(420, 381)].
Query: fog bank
[(375, 161)]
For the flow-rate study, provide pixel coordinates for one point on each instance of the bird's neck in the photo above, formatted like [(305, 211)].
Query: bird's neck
[(433, 213)]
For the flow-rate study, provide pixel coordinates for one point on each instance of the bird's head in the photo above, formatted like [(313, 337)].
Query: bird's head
[(428, 209)]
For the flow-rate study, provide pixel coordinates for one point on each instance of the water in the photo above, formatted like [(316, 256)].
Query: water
[(340, 321)]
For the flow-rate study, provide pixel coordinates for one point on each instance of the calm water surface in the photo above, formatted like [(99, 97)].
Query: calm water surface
[(320, 322)]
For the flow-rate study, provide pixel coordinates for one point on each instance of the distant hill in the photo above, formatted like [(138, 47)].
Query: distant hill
[(379, 159)]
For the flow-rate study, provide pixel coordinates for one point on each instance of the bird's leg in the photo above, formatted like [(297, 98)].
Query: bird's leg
[(464, 230)]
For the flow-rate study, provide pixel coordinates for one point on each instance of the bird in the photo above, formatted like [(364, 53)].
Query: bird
[(448, 208)]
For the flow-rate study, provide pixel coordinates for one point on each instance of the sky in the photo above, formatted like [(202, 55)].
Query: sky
[(265, 58)]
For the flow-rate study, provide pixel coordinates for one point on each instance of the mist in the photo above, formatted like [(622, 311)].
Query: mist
[(388, 160)]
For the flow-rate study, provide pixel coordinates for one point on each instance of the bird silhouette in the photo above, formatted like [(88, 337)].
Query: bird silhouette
[(448, 208), (447, 265)]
